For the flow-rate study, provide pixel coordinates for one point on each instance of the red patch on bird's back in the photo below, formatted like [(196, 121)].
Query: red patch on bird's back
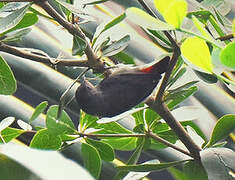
[(147, 69)]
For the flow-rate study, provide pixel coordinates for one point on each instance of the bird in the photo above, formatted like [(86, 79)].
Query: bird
[(120, 91)]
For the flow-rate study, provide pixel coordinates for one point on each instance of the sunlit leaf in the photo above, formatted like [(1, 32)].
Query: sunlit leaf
[(62, 126), (7, 79), (175, 13), (120, 116), (201, 28), (227, 55), (123, 144), (196, 51), (10, 133), (6, 123), (38, 110), (45, 139), (25, 126), (40, 164), (162, 5), (146, 21)]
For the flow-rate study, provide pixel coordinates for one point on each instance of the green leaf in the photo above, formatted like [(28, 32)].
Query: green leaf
[(177, 174), (151, 116), (195, 171), (201, 15), (227, 55), (169, 135), (146, 21), (132, 160), (106, 152), (150, 167), (79, 45), (124, 58), (13, 19), (123, 144), (208, 78), (38, 110), (218, 162), (62, 126), (7, 79), (45, 139), (16, 35), (224, 126), (10, 133), (179, 74), (181, 96), (105, 26), (29, 19), (91, 159), (112, 128), (117, 46), (86, 121), (139, 115), (175, 12), (196, 51)]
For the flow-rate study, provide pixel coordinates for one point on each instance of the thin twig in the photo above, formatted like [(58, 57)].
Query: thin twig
[(111, 135), (34, 57), (163, 141), (227, 37), (64, 95)]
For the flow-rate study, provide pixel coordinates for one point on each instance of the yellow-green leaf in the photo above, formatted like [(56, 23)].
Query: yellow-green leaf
[(144, 20), (162, 5), (196, 51), (173, 11), (227, 55), (201, 28)]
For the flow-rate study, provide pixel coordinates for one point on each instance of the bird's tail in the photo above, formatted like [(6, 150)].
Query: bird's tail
[(159, 67)]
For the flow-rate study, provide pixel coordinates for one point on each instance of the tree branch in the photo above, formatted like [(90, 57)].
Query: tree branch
[(157, 103), (93, 61), (43, 59)]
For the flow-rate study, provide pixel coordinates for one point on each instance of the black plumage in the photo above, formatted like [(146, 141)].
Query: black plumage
[(120, 91)]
